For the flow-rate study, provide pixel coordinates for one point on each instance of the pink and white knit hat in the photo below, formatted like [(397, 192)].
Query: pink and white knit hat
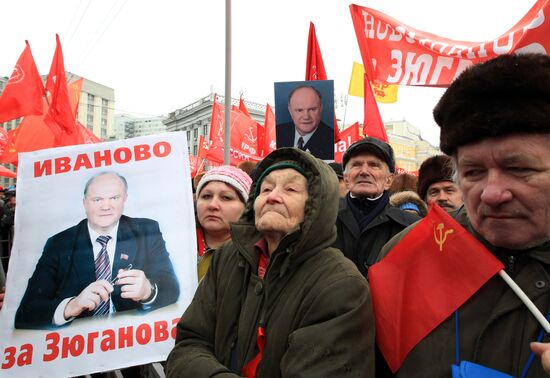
[(233, 176)]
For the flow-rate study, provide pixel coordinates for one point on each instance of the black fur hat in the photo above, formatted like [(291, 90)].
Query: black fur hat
[(433, 169), (505, 95)]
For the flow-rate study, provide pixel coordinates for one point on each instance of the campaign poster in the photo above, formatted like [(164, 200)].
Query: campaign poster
[(111, 220), (304, 116)]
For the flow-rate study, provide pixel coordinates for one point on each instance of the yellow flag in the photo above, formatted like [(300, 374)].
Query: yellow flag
[(384, 93)]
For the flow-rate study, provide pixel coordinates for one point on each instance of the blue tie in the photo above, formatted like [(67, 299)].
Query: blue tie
[(103, 272)]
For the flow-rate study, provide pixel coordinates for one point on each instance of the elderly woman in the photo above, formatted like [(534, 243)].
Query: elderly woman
[(221, 197), (278, 301)]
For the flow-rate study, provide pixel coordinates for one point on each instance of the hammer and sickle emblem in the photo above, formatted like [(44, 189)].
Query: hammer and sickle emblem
[(442, 237)]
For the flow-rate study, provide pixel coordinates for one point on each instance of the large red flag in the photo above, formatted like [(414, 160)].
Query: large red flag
[(315, 68), (372, 124), (203, 147), (60, 117), (24, 90), (243, 137), (348, 136), (430, 273)]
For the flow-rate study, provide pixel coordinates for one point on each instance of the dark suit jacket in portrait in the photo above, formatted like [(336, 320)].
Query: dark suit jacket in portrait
[(67, 266), (321, 143)]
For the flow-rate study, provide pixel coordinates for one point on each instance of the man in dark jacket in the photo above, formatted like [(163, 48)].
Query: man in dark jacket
[(365, 220), (277, 300), (494, 121)]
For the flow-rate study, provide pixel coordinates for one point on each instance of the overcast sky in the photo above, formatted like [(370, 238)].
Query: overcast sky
[(161, 55)]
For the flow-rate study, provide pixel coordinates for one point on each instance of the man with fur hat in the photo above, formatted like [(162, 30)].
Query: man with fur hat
[(435, 183), (278, 300), (494, 121), (366, 220)]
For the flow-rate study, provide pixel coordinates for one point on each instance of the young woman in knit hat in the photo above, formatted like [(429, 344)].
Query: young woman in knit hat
[(221, 199)]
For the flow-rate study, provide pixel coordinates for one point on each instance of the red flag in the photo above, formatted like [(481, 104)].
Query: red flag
[(269, 141), (430, 273), (7, 172), (348, 136), (60, 117), (203, 147), (243, 137), (87, 136), (242, 107), (315, 68), (75, 89), (372, 124), (24, 90), (3, 140)]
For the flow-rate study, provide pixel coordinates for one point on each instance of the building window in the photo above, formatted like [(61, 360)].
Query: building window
[(188, 135), (205, 130), (195, 133), (90, 119), (195, 150)]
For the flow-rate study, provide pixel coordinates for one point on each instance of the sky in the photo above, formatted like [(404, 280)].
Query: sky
[(162, 55)]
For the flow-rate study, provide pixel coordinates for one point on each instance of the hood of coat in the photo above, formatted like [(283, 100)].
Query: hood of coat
[(318, 229)]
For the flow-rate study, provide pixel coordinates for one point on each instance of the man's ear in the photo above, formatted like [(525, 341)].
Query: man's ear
[(389, 181)]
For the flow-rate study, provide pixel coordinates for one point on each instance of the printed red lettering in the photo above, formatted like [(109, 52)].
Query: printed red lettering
[(174, 323), (109, 340), (141, 152), (82, 160), (25, 357), (161, 331), (44, 168), (73, 345), (102, 158), (62, 164), (9, 357), (52, 339), (123, 155), (162, 149), (143, 334), (125, 337), (91, 339)]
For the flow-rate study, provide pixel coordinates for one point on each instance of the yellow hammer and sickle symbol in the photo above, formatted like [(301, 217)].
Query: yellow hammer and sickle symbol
[(442, 235)]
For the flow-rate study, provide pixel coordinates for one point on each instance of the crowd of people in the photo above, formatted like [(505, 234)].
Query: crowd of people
[(285, 246)]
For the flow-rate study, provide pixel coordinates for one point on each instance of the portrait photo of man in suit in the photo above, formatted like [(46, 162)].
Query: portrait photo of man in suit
[(306, 131), (105, 264)]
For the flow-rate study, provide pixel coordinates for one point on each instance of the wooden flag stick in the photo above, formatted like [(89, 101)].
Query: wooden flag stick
[(525, 299)]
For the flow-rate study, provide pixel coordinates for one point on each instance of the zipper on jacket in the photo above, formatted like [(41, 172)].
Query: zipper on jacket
[(510, 267)]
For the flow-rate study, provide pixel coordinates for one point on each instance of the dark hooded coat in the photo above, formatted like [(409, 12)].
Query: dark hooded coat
[(313, 302)]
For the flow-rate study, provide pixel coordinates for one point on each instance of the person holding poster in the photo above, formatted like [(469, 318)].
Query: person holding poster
[(306, 131), (277, 299), (106, 263)]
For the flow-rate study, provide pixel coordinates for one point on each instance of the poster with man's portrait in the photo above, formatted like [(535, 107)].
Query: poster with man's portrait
[(304, 116), (104, 262)]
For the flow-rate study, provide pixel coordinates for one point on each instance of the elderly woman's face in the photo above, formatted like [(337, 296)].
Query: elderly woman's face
[(218, 204), (280, 206)]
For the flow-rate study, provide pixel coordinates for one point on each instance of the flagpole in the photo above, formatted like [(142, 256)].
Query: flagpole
[(345, 111), (525, 299), (227, 117)]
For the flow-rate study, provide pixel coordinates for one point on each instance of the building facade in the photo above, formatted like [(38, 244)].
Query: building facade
[(195, 118), (409, 147), (96, 109), (127, 126)]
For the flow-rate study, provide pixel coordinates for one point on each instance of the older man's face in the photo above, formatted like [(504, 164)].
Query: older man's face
[(104, 202), (281, 203), (446, 194), (505, 184), (305, 108), (366, 175)]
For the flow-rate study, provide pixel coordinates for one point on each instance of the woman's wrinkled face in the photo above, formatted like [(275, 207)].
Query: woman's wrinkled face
[(218, 204)]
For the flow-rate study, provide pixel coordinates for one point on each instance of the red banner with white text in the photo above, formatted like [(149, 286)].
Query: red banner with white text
[(395, 53)]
